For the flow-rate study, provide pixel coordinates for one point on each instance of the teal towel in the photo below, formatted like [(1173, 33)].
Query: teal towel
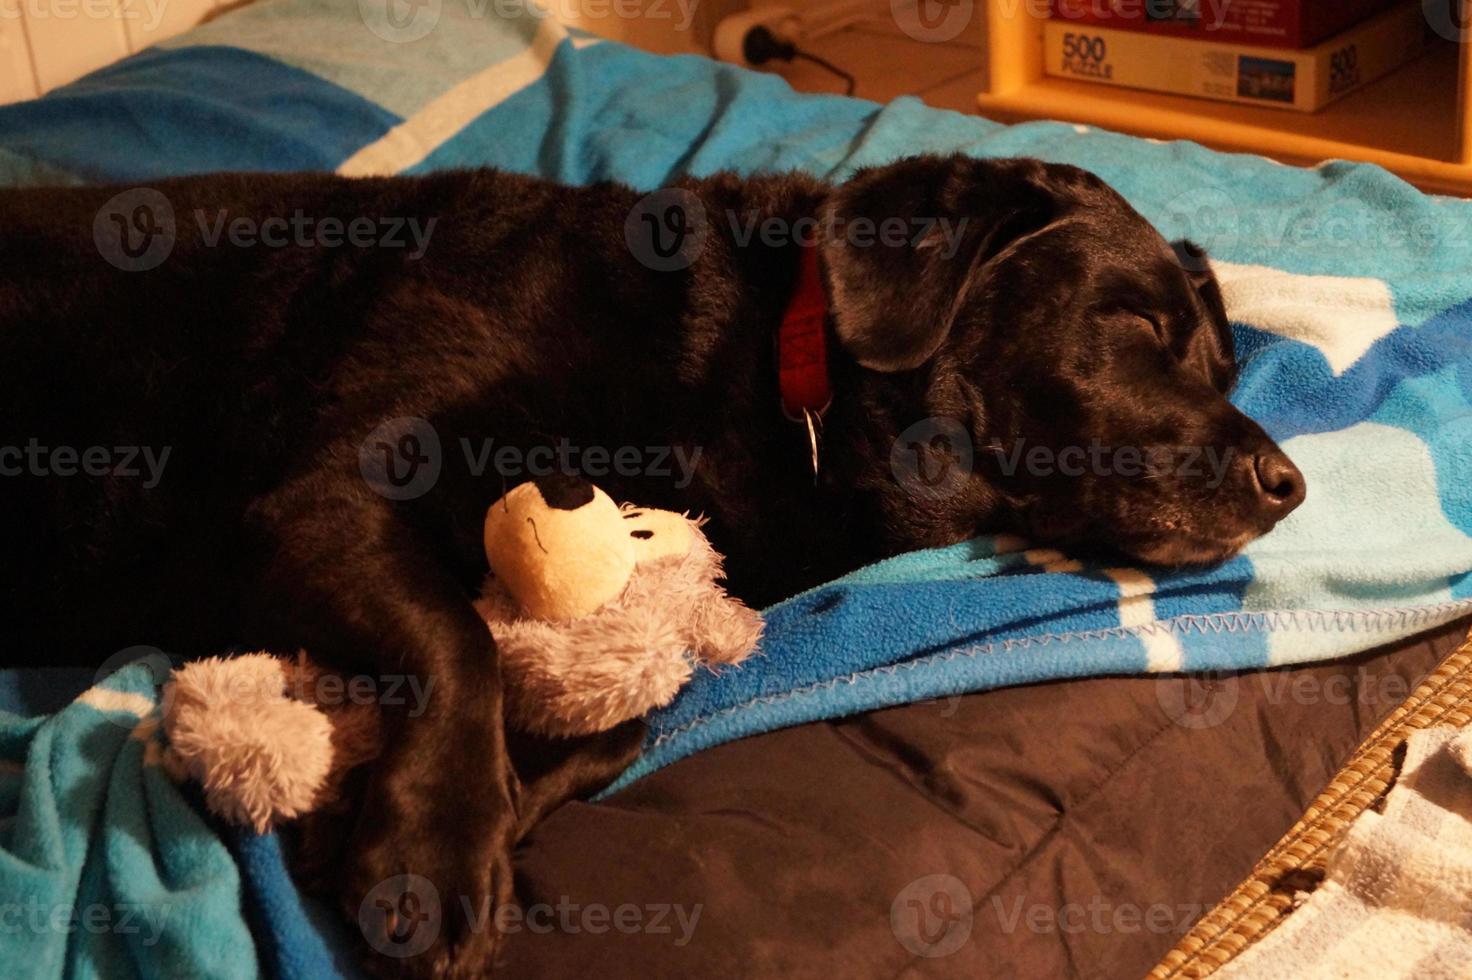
[(106, 868)]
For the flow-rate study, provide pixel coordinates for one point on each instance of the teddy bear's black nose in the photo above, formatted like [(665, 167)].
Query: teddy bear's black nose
[(563, 491)]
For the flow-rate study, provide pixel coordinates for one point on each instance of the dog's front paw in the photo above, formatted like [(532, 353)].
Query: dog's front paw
[(425, 886)]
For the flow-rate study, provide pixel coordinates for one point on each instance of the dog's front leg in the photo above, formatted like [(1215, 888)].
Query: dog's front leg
[(428, 862)]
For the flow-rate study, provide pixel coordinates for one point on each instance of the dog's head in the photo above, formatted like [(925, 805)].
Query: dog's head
[(1031, 355)]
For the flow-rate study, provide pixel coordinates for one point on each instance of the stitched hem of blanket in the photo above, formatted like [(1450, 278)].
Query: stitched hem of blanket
[(1379, 625)]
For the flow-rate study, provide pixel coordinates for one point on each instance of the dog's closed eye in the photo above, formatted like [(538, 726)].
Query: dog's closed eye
[(1154, 324)]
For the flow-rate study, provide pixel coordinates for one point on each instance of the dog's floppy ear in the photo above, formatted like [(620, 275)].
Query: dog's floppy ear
[(901, 243), (1211, 353), (1193, 259)]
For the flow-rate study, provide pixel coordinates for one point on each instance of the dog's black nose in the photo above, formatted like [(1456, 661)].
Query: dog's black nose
[(1279, 484)]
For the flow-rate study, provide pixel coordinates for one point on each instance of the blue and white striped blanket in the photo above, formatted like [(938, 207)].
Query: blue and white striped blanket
[(1350, 294)]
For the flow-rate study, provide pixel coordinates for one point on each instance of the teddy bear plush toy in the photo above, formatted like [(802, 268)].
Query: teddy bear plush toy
[(600, 613)]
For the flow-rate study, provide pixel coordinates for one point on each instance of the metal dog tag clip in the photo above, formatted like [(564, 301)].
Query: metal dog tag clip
[(812, 419)]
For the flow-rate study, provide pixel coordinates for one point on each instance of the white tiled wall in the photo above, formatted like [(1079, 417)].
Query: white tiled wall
[(46, 43)]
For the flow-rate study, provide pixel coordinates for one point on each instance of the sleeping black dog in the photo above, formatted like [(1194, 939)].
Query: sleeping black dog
[(228, 422)]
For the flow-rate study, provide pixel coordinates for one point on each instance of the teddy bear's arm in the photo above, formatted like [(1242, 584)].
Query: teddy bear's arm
[(722, 629), (261, 755)]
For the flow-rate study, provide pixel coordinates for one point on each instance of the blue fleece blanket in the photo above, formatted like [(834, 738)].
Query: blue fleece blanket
[(1349, 292), (107, 869)]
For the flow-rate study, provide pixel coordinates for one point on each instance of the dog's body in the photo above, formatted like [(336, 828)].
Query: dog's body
[(529, 323), (275, 378)]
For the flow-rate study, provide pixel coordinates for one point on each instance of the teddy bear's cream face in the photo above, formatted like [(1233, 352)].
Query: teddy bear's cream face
[(563, 548), (557, 551)]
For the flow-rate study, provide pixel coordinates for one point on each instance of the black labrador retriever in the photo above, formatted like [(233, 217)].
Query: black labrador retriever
[(235, 415)]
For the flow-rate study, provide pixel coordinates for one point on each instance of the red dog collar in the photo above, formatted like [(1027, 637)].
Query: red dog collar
[(802, 345)]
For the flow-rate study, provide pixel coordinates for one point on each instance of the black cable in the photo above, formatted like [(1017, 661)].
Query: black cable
[(761, 45), (848, 79)]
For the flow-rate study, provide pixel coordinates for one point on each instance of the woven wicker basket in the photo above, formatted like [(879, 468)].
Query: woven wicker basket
[(1296, 863)]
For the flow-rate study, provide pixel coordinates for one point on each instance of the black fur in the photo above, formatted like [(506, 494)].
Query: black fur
[(1060, 318)]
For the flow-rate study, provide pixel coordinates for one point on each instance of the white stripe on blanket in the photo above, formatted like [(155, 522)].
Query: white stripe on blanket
[(417, 137), (1051, 560), (104, 699), (1340, 315), (1394, 901), (1137, 609), (1163, 651)]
